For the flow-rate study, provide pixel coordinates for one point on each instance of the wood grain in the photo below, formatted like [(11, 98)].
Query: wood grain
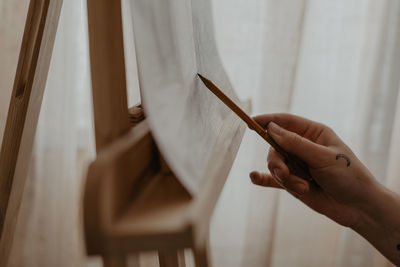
[(29, 84), (108, 70)]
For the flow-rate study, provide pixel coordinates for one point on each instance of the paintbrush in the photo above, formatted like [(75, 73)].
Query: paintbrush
[(295, 164)]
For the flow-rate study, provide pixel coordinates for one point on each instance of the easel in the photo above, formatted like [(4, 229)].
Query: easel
[(30, 80), (132, 201)]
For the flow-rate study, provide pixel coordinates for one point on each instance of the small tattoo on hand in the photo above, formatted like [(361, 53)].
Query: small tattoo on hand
[(343, 156)]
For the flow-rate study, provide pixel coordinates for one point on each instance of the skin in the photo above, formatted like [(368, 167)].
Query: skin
[(343, 188)]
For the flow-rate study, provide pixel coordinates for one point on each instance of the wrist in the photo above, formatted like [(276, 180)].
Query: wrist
[(381, 208), (379, 221)]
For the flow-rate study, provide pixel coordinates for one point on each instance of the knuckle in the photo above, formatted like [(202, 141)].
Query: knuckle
[(322, 125), (327, 129)]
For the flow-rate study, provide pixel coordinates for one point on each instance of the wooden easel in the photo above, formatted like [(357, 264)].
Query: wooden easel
[(132, 201), (30, 81)]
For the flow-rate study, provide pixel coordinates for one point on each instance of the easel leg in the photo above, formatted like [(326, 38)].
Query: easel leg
[(201, 252), (115, 261), (181, 258), (171, 258), (30, 80), (133, 260), (201, 258)]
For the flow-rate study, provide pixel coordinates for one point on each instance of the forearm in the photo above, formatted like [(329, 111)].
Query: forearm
[(379, 223)]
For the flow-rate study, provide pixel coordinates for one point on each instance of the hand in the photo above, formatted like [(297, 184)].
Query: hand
[(343, 185), (343, 189)]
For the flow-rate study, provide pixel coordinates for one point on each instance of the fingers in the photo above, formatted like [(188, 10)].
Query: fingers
[(292, 184), (290, 122), (309, 129), (264, 179), (313, 154), (280, 178), (280, 171), (276, 164)]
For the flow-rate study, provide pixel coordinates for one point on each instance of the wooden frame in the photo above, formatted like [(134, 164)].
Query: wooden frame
[(30, 81), (133, 202)]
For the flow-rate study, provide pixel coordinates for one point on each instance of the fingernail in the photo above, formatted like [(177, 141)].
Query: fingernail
[(300, 188), (275, 173), (274, 128)]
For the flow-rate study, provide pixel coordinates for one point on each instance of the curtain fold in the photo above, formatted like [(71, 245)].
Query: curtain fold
[(343, 74)]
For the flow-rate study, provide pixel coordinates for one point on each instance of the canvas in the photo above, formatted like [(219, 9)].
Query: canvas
[(174, 40)]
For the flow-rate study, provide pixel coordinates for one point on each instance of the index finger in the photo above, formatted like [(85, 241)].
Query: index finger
[(290, 122)]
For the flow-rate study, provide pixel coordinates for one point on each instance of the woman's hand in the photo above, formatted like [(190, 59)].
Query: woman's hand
[(343, 189), (342, 185)]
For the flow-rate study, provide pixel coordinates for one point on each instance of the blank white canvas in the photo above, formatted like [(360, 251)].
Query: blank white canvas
[(174, 40)]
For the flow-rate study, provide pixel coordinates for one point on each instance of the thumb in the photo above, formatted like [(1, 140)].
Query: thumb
[(312, 153)]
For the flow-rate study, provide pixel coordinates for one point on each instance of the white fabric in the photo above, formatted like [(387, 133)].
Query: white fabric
[(174, 41), (333, 61)]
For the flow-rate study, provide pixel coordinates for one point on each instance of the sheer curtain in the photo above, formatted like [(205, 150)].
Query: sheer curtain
[(332, 61), (337, 62)]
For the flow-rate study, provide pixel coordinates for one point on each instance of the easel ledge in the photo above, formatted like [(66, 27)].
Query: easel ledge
[(134, 203)]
